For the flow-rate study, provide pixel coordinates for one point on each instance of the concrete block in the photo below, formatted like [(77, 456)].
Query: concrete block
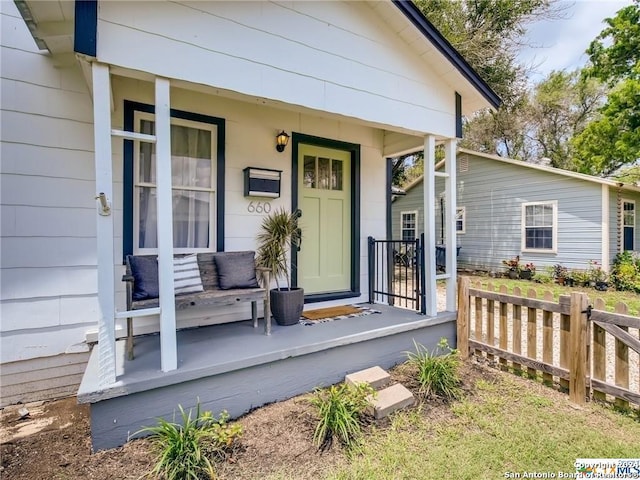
[(391, 399), (374, 376)]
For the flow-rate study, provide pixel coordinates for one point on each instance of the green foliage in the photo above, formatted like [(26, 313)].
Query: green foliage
[(278, 232), (581, 277), (438, 371), (544, 278), (488, 34), (340, 409), (615, 52), (562, 105), (625, 273), (629, 174), (613, 140), (223, 437), (183, 449)]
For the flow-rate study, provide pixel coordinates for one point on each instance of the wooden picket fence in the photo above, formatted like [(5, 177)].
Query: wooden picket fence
[(588, 351)]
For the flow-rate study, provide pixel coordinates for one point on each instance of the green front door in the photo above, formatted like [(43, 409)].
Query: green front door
[(324, 186)]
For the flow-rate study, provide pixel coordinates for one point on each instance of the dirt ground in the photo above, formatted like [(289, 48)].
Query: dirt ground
[(53, 442)]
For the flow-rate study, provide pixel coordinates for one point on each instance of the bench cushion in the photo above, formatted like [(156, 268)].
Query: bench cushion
[(144, 270), (237, 271), (186, 274)]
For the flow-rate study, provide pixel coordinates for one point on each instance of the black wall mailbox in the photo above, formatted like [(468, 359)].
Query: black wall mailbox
[(261, 182)]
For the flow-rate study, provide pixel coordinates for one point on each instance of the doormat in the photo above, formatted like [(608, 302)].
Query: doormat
[(329, 314)]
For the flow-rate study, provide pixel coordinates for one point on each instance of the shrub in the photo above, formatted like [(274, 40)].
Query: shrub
[(581, 277), (182, 448), (625, 273), (340, 410), (596, 274), (438, 371)]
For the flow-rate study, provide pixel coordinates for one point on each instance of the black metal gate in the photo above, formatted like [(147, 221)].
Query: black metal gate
[(396, 273)]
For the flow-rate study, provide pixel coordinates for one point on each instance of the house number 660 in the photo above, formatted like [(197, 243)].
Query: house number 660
[(259, 207)]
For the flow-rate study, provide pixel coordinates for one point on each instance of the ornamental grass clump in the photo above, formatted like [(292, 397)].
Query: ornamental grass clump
[(184, 450), (340, 410), (438, 370)]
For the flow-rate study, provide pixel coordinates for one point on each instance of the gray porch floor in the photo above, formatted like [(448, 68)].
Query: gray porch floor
[(218, 349)]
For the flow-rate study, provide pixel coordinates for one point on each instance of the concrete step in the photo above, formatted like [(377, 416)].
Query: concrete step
[(389, 400), (374, 376)]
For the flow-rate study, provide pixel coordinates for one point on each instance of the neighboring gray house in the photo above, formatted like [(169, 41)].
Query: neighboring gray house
[(546, 215)]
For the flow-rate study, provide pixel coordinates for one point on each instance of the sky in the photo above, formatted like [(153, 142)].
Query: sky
[(562, 42)]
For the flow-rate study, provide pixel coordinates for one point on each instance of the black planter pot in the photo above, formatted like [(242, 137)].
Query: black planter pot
[(602, 286), (287, 305), (512, 273), (526, 274)]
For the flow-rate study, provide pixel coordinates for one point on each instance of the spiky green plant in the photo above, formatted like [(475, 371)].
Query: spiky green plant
[(340, 409), (279, 231), (438, 370), (182, 448)]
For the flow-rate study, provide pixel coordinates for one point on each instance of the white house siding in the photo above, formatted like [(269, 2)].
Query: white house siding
[(250, 141), (492, 193), (48, 257), (337, 57)]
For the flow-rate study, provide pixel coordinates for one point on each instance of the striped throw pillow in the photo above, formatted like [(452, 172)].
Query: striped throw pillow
[(186, 274)]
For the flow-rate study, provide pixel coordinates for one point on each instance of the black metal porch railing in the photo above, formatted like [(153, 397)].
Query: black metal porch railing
[(396, 273)]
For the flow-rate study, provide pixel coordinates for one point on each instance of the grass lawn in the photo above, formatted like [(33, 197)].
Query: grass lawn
[(508, 424), (610, 297)]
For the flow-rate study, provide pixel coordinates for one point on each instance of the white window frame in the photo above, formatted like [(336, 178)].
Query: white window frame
[(402, 214), (631, 202), (137, 250), (523, 230), (461, 214)]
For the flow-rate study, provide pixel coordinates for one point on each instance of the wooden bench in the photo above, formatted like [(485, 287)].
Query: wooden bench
[(211, 296)]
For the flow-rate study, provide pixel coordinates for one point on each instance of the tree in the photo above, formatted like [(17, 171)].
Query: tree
[(561, 107), (615, 52), (488, 34), (613, 140)]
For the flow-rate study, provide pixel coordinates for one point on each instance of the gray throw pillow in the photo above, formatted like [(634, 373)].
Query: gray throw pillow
[(145, 277), (236, 271)]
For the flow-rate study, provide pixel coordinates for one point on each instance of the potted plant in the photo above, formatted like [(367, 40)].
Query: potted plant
[(528, 271), (560, 273), (597, 276), (280, 231), (513, 267)]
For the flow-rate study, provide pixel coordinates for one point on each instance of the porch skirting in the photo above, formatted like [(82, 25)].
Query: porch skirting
[(235, 368)]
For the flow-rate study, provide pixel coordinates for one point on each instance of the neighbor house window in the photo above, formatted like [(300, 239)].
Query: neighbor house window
[(193, 182), (539, 226), (409, 225), (628, 224), (460, 220)]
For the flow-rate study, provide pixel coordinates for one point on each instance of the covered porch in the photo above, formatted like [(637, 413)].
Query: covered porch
[(235, 367)]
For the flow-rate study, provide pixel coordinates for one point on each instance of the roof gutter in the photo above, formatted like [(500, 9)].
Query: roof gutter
[(415, 16)]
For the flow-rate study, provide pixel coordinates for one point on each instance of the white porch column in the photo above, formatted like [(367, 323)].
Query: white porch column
[(168, 346), (450, 194), (430, 225), (104, 223)]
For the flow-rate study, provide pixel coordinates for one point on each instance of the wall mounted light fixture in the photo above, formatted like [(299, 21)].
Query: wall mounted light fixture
[(281, 141)]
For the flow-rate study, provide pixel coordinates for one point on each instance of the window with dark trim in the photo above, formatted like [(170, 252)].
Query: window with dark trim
[(198, 165)]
